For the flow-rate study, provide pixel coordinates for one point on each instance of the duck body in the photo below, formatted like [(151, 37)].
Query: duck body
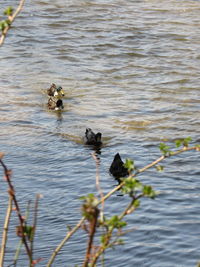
[(117, 168), (55, 104), (55, 91), (91, 138)]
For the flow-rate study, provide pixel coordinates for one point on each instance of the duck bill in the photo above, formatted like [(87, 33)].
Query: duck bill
[(62, 93)]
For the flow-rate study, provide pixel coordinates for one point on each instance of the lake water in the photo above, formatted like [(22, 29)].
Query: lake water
[(130, 69)]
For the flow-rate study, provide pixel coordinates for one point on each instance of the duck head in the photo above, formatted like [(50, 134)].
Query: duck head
[(55, 91), (59, 92)]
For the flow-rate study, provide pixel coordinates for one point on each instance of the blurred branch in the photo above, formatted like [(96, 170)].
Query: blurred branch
[(59, 247), (5, 231), (34, 223), (11, 20), (20, 242), (154, 163), (11, 192)]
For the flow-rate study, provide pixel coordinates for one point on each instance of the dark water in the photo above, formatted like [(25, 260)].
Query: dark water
[(130, 69)]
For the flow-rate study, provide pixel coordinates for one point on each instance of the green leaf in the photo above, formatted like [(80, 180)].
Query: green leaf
[(28, 230), (9, 11), (2, 25), (131, 184), (115, 222), (183, 141), (129, 164), (186, 141), (159, 168), (103, 239), (164, 149), (148, 191), (89, 196), (136, 203), (178, 142)]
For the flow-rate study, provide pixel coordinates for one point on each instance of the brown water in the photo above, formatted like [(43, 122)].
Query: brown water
[(130, 69)]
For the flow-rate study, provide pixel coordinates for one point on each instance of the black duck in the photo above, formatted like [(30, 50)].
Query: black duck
[(91, 138), (117, 168)]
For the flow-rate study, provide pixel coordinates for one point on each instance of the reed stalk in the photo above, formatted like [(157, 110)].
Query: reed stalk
[(5, 231)]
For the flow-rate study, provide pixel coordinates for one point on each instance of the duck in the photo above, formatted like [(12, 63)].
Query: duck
[(56, 104), (91, 138), (117, 168), (55, 91)]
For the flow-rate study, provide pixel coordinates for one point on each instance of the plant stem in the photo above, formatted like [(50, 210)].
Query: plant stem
[(11, 19), (5, 231), (19, 246), (34, 224), (93, 225), (154, 163), (21, 220), (110, 233), (59, 247)]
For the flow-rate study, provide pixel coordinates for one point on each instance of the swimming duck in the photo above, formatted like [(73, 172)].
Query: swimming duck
[(117, 168), (91, 138), (56, 104), (55, 91)]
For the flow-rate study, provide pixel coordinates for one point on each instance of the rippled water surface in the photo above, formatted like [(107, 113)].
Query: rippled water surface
[(130, 69)]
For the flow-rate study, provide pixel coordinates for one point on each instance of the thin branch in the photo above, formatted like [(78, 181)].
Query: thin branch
[(19, 246), (69, 234), (34, 224), (21, 219), (11, 19), (154, 163), (110, 232), (170, 155), (93, 225), (5, 231), (130, 208)]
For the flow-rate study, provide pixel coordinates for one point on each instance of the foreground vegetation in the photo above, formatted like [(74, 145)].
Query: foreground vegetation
[(93, 221)]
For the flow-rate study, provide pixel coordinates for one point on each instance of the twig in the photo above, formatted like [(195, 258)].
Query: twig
[(154, 163), (93, 224), (110, 232), (34, 224), (55, 252), (69, 234), (19, 246), (170, 155), (21, 219), (20, 242), (131, 204), (5, 231), (11, 19)]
